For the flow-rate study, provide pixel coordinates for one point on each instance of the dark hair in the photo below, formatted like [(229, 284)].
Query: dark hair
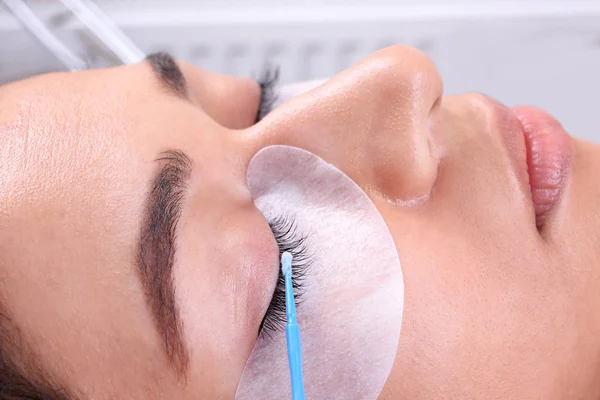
[(20, 376)]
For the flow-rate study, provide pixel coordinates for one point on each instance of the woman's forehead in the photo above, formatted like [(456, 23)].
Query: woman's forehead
[(62, 151)]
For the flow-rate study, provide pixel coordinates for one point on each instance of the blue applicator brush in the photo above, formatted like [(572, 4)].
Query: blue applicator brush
[(292, 331)]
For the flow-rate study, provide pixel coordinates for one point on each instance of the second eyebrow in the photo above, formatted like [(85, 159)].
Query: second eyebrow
[(168, 73)]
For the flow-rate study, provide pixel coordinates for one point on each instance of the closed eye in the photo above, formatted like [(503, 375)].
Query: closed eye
[(268, 82), (288, 239)]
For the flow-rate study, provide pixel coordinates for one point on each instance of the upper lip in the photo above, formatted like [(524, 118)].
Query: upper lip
[(548, 159), (541, 151)]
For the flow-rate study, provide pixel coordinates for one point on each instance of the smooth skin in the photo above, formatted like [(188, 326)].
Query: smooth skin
[(502, 288)]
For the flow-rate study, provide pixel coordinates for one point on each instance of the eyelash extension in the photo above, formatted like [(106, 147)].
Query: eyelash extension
[(288, 239), (268, 81)]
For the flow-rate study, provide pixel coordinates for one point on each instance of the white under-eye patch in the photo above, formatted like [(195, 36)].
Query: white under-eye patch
[(351, 311)]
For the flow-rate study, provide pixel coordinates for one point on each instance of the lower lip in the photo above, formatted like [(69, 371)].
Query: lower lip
[(548, 149)]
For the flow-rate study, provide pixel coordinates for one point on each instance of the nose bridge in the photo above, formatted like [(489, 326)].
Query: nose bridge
[(371, 121)]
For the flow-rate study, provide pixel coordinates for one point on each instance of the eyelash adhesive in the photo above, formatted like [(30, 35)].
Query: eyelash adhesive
[(292, 331)]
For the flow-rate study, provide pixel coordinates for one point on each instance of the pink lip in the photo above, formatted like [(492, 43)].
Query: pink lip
[(548, 149)]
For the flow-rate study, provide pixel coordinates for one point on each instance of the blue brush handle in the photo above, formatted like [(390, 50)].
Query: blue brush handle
[(292, 334), (292, 331)]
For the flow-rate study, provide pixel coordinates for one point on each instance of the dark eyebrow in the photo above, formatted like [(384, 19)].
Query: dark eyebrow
[(168, 73), (156, 255)]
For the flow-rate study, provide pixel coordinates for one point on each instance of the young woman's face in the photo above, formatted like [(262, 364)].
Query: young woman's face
[(133, 262)]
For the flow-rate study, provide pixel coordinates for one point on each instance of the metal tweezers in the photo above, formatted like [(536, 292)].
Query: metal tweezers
[(96, 21)]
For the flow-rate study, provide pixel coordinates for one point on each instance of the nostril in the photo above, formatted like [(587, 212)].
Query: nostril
[(408, 173)]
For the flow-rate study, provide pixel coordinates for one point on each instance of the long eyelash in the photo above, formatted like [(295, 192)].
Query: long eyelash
[(288, 239), (268, 81)]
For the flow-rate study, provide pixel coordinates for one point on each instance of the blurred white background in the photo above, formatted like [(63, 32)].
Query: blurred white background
[(545, 53)]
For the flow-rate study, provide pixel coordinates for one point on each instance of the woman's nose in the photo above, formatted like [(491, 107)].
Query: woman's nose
[(371, 121)]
